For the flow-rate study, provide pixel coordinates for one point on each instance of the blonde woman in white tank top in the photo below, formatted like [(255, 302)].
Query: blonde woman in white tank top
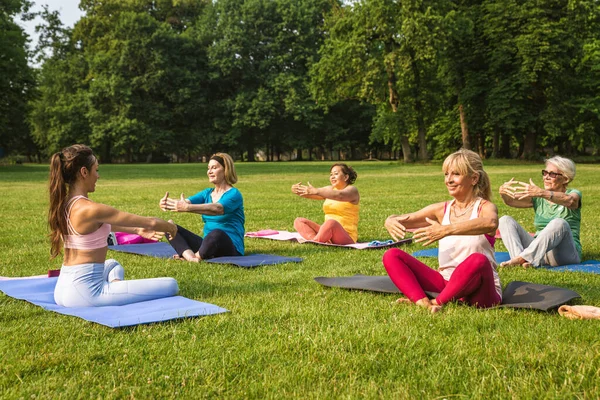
[(464, 227)]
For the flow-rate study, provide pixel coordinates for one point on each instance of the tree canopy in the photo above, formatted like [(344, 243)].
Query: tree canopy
[(286, 79)]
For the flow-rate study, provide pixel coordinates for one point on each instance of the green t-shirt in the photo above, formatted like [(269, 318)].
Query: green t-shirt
[(546, 212)]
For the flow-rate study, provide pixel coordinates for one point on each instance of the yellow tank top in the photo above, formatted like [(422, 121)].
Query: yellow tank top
[(345, 213)]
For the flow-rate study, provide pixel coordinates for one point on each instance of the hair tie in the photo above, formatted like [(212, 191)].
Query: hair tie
[(218, 159)]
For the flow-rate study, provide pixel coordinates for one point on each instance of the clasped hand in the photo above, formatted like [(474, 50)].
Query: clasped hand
[(303, 190), (157, 235), (169, 204), (428, 235), (394, 226), (150, 234), (520, 190), (432, 233)]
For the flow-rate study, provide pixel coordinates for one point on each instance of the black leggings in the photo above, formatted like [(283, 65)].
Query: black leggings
[(216, 244)]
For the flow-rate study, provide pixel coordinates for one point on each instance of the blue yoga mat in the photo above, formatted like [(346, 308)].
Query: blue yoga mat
[(591, 266), (424, 253), (158, 249), (164, 250), (501, 256), (254, 260), (40, 291)]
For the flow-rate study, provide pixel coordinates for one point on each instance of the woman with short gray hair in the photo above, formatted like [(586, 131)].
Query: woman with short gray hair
[(557, 218)]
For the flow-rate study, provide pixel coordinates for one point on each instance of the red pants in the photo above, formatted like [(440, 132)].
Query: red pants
[(330, 232), (471, 281)]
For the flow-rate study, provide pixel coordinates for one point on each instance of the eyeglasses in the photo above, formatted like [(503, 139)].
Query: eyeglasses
[(552, 175)]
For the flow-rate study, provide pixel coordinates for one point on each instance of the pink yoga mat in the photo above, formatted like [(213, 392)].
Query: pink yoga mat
[(295, 236)]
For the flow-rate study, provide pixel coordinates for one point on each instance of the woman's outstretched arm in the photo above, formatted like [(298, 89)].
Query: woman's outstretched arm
[(91, 214), (349, 193), (508, 191), (397, 225), (185, 205)]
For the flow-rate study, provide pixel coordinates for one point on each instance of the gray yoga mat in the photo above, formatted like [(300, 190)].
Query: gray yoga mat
[(516, 294)]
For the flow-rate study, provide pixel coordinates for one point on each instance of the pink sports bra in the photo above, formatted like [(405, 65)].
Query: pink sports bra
[(91, 241)]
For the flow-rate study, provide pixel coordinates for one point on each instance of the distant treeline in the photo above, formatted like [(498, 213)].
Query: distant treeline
[(168, 80)]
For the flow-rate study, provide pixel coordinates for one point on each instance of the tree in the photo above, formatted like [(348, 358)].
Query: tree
[(381, 51), (17, 81), (530, 57), (58, 112), (262, 50), (147, 77)]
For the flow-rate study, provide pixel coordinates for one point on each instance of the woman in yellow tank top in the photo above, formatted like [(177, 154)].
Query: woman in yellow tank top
[(341, 208)]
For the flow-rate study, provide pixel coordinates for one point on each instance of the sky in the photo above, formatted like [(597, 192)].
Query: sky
[(69, 14)]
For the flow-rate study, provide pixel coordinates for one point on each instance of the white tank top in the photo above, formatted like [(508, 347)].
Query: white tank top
[(455, 249)]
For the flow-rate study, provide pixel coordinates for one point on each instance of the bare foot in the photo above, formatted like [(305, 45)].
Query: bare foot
[(189, 255), (435, 307), (516, 262), (306, 238), (177, 257), (431, 305)]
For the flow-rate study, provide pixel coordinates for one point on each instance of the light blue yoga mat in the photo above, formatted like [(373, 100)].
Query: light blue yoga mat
[(40, 291), (164, 250), (501, 256), (591, 266)]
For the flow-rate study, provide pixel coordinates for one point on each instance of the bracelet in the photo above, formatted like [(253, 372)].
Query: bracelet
[(551, 194)]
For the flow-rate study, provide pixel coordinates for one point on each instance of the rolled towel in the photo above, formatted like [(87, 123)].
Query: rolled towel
[(579, 312)]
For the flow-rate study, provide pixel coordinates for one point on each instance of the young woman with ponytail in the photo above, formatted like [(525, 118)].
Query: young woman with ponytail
[(82, 226)]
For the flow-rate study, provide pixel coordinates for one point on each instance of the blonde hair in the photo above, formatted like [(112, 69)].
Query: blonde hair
[(565, 165), (227, 162), (468, 163)]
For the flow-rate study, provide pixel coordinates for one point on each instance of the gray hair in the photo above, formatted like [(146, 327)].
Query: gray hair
[(565, 165)]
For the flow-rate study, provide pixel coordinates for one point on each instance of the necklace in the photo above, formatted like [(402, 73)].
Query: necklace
[(464, 211)]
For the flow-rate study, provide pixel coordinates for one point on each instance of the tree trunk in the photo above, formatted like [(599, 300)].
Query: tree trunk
[(464, 128), (505, 145), (421, 130), (496, 144), (520, 149), (406, 153), (481, 145), (105, 152), (423, 156), (529, 152), (250, 147)]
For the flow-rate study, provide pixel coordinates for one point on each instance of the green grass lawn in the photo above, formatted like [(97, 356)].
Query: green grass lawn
[(287, 336)]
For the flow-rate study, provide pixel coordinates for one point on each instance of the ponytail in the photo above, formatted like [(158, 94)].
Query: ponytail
[(58, 196), (64, 167), (483, 187)]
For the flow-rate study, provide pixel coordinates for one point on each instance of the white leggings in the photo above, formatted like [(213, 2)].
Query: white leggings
[(553, 246), (89, 285)]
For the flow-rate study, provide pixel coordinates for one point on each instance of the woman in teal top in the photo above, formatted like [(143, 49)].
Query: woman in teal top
[(222, 210), (557, 218)]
